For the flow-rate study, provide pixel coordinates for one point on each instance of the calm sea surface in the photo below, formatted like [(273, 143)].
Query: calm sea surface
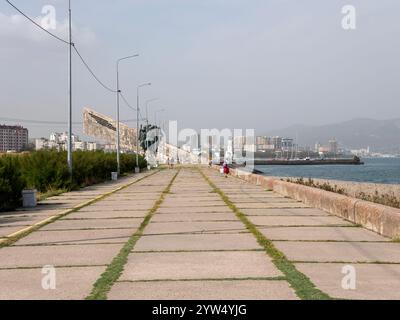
[(385, 170)]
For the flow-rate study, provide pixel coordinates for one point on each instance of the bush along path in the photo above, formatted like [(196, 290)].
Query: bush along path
[(47, 171)]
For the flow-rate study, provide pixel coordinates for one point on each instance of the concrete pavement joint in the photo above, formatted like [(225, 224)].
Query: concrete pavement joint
[(199, 251), (59, 266), (66, 244), (306, 226), (195, 233), (330, 241), (94, 219), (87, 229), (281, 278), (181, 221), (346, 262), (113, 272)]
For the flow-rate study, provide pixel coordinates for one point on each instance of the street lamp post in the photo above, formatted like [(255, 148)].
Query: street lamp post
[(69, 147), (137, 124), (118, 131)]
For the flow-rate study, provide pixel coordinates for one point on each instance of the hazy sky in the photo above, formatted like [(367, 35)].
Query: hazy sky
[(261, 64)]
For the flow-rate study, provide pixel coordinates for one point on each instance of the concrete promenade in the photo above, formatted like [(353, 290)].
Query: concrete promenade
[(190, 233)]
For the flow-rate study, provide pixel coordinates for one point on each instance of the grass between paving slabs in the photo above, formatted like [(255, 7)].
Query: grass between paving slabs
[(210, 279), (114, 270), (302, 285), (11, 240)]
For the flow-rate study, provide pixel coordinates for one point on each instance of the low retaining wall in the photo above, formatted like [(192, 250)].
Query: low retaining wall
[(378, 218)]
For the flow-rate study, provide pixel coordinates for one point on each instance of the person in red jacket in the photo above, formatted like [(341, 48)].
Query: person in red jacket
[(226, 169)]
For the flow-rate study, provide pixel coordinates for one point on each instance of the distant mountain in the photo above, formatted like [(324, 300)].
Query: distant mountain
[(379, 135)]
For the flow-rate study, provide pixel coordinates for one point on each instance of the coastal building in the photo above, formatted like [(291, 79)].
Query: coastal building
[(317, 146), (93, 146), (239, 142), (264, 143), (277, 142), (59, 141), (13, 138), (333, 146), (46, 144), (361, 152), (110, 148), (79, 145), (62, 138), (243, 143), (323, 151), (287, 144)]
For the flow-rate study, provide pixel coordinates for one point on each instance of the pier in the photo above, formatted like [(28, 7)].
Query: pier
[(191, 233)]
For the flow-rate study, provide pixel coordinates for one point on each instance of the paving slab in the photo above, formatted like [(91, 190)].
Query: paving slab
[(373, 281), (71, 284), (198, 265), (189, 203), (55, 206), (61, 200), (297, 221), (203, 290), (123, 204), (82, 214), (191, 227), (21, 221), (190, 192), (192, 217), (175, 197), (139, 190), (195, 209), (69, 197), (194, 195), (321, 234), (6, 231), (197, 242), (75, 255), (340, 251), (94, 224), (132, 207), (285, 212), (244, 192), (258, 195), (76, 237), (115, 209), (130, 198), (260, 205), (27, 214), (271, 200)]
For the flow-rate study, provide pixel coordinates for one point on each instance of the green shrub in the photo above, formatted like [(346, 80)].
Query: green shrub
[(11, 182), (47, 171)]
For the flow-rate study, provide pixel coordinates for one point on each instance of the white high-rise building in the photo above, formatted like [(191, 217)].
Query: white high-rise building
[(92, 146)]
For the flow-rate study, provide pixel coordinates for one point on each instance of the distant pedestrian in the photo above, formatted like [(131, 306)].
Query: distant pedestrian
[(172, 163), (168, 163), (226, 168)]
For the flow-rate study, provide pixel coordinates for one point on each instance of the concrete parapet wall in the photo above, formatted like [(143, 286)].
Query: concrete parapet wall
[(378, 218)]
